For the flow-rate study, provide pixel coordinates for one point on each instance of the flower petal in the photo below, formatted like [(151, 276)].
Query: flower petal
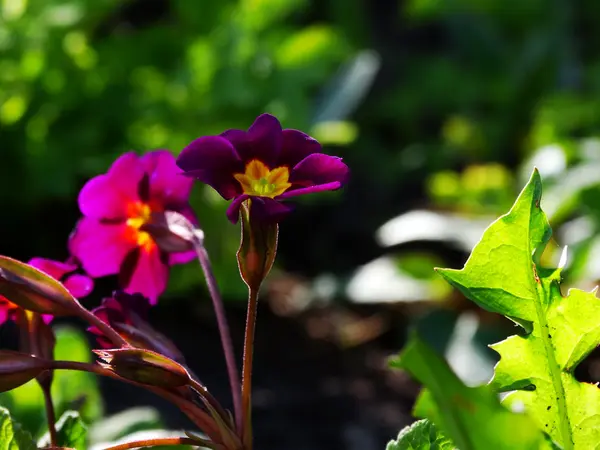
[(213, 160), (55, 269), (108, 196), (269, 210), (318, 168), (262, 141), (233, 211), (167, 183), (79, 285), (150, 275), (100, 247), (296, 146), (310, 190)]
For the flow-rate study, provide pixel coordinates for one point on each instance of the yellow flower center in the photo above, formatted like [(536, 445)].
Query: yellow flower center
[(139, 214), (259, 181)]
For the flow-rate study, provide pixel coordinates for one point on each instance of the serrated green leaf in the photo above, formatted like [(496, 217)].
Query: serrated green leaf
[(472, 417), (503, 275), (12, 437), (421, 435), (70, 430)]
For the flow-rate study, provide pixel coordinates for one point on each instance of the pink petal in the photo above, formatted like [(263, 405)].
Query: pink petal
[(167, 181), (108, 196), (100, 247), (150, 275), (55, 269), (79, 285)]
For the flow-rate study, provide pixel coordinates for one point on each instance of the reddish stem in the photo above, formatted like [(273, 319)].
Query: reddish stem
[(106, 329), (154, 443), (232, 370), (247, 368)]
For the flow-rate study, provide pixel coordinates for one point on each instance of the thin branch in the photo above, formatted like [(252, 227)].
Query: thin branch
[(247, 368), (234, 377), (154, 443), (50, 415)]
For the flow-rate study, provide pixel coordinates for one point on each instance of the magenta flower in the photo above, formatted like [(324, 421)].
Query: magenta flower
[(111, 238), (78, 285), (128, 315), (265, 164)]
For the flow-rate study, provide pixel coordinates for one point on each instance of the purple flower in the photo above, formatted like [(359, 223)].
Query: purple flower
[(265, 164), (78, 285), (111, 238), (128, 315)]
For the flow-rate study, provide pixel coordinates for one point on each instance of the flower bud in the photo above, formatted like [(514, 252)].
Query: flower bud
[(37, 339), (33, 290), (144, 366), (19, 368), (257, 249)]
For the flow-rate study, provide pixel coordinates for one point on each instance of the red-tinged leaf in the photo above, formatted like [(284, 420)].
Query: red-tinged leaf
[(33, 290), (144, 366), (17, 369)]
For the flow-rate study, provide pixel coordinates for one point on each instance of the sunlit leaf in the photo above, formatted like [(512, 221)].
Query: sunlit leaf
[(503, 275)]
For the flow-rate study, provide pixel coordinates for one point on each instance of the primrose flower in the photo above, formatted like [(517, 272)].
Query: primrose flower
[(128, 315), (78, 285), (111, 238), (265, 164)]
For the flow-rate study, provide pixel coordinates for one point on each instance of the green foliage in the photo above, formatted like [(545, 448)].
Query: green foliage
[(12, 437), (504, 275), (421, 435), (472, 417), (71, 432)]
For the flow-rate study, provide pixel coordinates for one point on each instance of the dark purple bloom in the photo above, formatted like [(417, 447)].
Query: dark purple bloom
[(265, 164), (128, 315), (78, 285), (111, 238)]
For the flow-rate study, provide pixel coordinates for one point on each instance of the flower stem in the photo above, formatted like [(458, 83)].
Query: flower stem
[(154, 443), (50, 416), (234, 377), (247, 368), (106, 329), (195, 414)]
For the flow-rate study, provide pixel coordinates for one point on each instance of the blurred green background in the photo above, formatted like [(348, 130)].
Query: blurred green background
[(441, 108)]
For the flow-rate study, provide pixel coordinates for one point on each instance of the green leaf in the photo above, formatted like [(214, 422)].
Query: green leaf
[(503, 274), (472, 417), (70, 430), (12, 437), (421, 435)]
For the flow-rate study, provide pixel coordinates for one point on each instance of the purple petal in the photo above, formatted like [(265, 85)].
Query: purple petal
[(310, 190), (79, 285), (108, 196), (167, 183), (233, 211), (47, 318), (150, 275), (213, 160), (55, 269), (5, 306), (182, 257), (269, 210), (296, 146), (100, 247), (318, 168), (262, 141)]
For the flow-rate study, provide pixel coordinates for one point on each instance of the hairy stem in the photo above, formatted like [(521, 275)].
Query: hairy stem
[(154, 443), (234, 377), (106, 329), (200, 418), (50, 416), (247, 368)]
